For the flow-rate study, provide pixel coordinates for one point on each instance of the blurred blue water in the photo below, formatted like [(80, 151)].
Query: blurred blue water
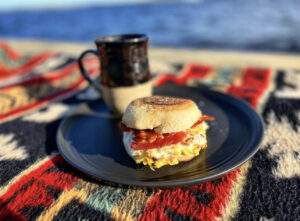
[(231, 24)]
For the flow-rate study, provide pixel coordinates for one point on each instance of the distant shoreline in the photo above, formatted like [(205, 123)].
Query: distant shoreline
[(255, 26), (35, 5)]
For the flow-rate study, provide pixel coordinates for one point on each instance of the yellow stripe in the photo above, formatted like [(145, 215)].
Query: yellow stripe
[(80, 191), (44, 104), (130, 208)]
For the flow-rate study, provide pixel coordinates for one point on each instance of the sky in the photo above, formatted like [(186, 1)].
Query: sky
[(10, 5)]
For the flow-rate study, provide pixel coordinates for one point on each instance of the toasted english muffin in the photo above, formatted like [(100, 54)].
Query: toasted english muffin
[(160, 131), (162, 114)]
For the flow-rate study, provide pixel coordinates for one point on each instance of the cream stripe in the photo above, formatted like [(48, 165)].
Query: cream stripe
[(25, 172), (234, 199), (10, 149)]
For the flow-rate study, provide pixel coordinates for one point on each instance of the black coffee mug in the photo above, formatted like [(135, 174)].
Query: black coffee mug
[(124, 69)]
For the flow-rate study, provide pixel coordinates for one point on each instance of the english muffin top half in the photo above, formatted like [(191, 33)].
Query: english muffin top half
[(161, 113)]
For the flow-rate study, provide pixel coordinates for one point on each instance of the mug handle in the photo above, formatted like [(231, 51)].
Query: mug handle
[(84, 72)]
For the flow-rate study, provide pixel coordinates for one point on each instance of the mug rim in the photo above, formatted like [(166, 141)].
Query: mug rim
[(122, 38)]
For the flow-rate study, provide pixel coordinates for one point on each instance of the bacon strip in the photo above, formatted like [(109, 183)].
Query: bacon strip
[(203, 118), (157, 142), (148, 139)]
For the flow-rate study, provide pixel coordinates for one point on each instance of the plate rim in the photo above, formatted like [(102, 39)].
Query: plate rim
[(175, 183)]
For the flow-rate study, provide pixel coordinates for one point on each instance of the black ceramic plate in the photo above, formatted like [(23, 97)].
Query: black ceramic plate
[(90, 140)]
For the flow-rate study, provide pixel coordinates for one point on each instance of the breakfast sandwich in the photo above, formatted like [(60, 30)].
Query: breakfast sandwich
[(160, 130)]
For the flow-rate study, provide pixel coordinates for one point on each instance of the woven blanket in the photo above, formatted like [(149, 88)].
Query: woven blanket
[(38, 90)]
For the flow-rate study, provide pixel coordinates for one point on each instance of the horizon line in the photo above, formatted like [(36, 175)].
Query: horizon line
[(33, 5)]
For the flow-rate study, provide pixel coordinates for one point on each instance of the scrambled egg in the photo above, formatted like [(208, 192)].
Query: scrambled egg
[(194, 141)]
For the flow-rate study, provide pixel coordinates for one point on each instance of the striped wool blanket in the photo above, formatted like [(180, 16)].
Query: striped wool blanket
[(38, 89)]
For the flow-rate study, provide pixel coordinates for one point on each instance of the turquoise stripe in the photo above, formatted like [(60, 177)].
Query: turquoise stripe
[(11, 63), (224, 75), (105, 198)]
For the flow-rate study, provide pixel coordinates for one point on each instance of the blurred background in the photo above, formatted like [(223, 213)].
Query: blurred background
[(256, 25)]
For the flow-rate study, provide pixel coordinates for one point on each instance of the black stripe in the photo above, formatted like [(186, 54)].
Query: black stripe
[(178, 216)]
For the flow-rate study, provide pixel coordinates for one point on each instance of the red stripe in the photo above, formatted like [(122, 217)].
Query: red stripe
[(52, 76), (192, 71), (24, 68), (9, 51), (44, 100), (184, 201), (34, 190), (254, 84)]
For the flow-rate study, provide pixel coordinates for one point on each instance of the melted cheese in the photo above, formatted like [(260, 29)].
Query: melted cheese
[(194, 141)]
